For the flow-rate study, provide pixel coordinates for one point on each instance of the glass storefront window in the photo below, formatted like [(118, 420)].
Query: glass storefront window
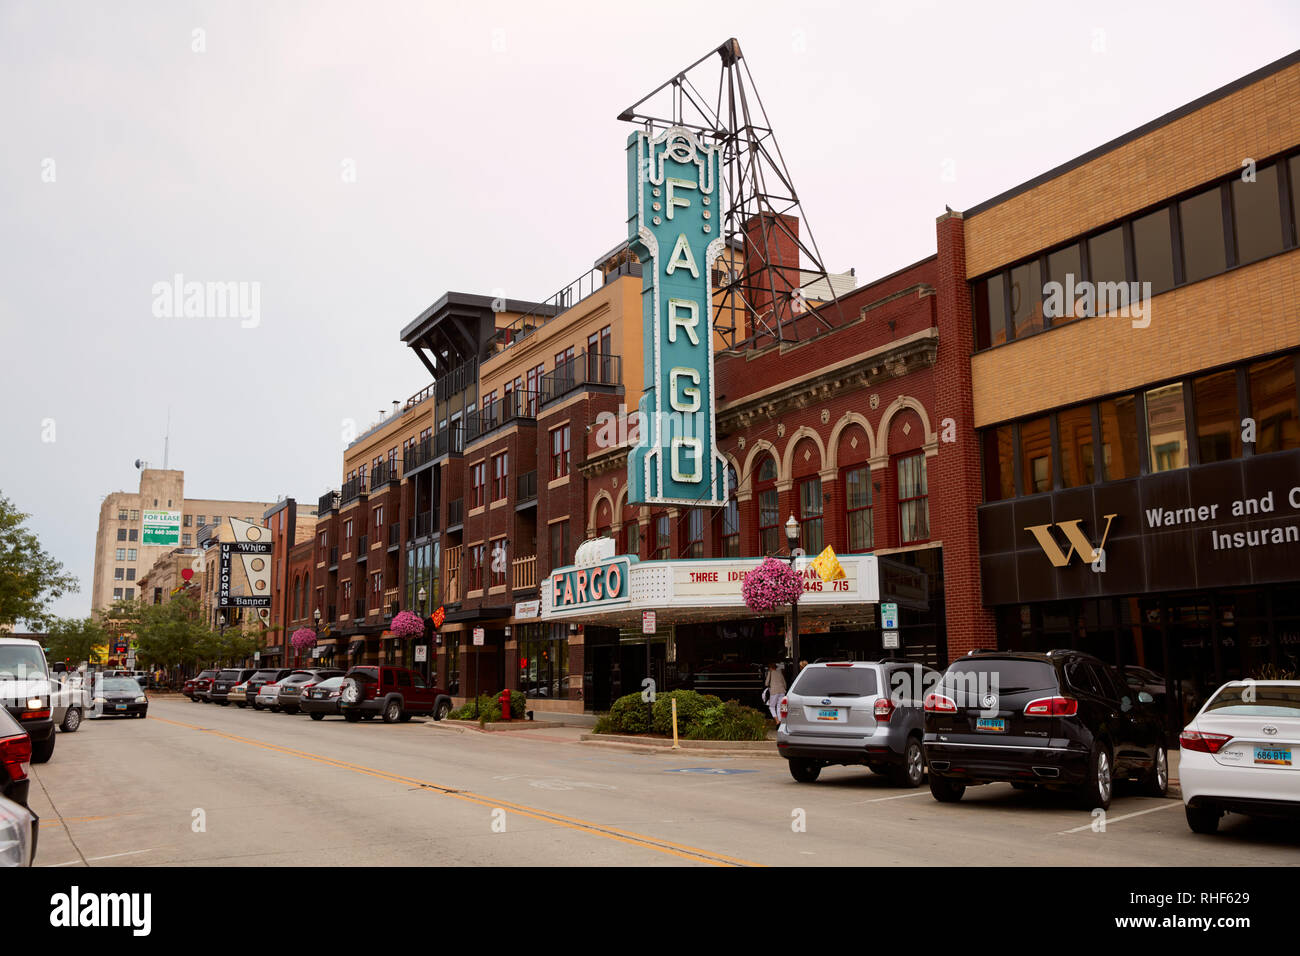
[(989, 302), (543, 654), (1154, 251), (1273, 405), (1119, 444), (1202, 222), (999, 464), (1074, 432), (1166, 428), (1036, 455), (1218, 427), (1257, 216), (1026, 291)]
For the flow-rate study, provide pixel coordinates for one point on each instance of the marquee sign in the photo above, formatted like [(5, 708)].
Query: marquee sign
[(675, 229), (599, 585)]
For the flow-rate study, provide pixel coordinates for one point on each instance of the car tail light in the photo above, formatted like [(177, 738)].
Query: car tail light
[(16, 751), (1204, 743), (939, 704), (883, 710), (785, 708), (35, 714), (1052, 707)]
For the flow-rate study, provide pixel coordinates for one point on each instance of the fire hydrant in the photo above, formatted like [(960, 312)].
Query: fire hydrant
[(504, 700)]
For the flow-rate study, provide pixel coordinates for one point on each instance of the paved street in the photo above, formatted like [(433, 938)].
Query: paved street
[(278, 789)]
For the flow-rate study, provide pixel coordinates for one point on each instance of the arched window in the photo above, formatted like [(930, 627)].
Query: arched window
[(769, 509), (731, 518), (859, 497)]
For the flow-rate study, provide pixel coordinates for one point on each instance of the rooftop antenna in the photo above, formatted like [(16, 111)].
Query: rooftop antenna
[(758, 305)]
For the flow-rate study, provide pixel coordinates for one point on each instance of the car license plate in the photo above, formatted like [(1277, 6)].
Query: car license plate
[(992, 724), (1273, 756), (828, 713), (121, 706)]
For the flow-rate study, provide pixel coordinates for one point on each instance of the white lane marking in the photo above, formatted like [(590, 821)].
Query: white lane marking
[(898, 796), (111, 856), (1137, 813)]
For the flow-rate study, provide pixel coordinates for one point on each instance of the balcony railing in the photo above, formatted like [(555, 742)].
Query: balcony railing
[(353, 489), (394, 534), (456, 380), (526, 486), (449, 441), (585, 368), (328, 502), (524, 573), (452, 565), (384, 473), (418, 454), (423, 395), (334, 557), (455, 512), (517, 405), (390, 600), (359, 606), (363, 547)]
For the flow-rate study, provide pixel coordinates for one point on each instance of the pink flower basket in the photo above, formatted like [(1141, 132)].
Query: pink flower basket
[(406, 624), (771, 585), (303, 637)]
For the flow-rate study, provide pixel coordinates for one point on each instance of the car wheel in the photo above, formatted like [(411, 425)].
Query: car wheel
[(1156, 783), (351, 716), (805, 771), (43, 751), (242, 706), (392, 712), (1200, 819), (945, 791), (911, 771), (1096, 793), (224, 703), (275, 708), (406, 717), (316, 715), (442, 711), (71, 720), (256, 706)]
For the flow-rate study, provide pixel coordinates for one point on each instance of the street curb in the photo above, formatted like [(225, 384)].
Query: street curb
[(469, 726), (703, 748)]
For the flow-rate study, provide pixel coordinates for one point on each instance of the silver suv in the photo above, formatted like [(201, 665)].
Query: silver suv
[(857, 713)]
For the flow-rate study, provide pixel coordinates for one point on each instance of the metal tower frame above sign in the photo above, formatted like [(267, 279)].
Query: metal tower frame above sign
[(762, 291)]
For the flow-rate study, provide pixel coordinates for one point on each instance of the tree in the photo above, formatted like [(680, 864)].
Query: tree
[(171, 634), (30, 579), (76, 640)]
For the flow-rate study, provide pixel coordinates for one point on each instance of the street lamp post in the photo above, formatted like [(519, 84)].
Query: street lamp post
[(792, 537), (221, 628), (420, 597), (315, 619)]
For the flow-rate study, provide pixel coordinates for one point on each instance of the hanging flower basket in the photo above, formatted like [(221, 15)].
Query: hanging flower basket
[(406, 624), (302, 638), (771, 585)]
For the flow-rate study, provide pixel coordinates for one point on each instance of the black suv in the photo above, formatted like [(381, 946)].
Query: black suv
[(268, 675), (1061, 720), (228, 678)]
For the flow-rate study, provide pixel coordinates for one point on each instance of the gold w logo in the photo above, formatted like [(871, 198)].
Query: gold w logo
[(1077, 539)]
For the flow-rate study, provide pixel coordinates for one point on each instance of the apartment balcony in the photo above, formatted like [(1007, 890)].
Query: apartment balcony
[(363, 548), (359, 607), (394, 535), (420, 525), (328, 502), (418, 455), (523, 573), (517, 406), (449, 441), (586, 284), (384, 474), (457, 380), (334, 558), (353, 489), (391, 601), (584, 369), (455, 512), (526, 489)]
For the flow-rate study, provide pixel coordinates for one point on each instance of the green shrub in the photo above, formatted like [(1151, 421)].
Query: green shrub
[(487, 710), (690, 705), (729, 721), (628, 715), (603, 725)]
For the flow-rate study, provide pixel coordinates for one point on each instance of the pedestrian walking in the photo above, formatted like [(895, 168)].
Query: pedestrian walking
[(774, 689)]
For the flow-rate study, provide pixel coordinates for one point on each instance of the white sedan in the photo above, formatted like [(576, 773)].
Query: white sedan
[(267, 696), (1241, 754)]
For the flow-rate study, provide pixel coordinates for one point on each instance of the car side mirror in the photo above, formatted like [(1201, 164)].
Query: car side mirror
[(1145, 698), (1125, 704)]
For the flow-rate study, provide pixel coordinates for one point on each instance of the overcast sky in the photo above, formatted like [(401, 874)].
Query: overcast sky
[(357, 160)]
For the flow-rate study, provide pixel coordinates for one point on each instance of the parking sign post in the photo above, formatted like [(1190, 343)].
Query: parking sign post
[(478, 642)]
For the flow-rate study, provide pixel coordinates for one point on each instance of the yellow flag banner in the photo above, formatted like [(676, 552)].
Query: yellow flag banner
[(828, 566)]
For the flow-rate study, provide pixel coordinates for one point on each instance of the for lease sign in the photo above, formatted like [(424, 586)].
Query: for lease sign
[(161, 527)]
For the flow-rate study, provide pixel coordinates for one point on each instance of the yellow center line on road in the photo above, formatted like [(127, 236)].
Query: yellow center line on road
[(694, 854)]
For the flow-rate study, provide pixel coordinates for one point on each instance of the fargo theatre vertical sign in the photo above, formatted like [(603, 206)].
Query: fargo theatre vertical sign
[(675, 229)]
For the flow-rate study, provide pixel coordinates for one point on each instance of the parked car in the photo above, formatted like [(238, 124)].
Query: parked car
[(856, 713), (69, 701), (120, 697), (18, 831), (26, 692), (267, 697), (396, 693), (203, 685), (261, 677), (322, 699), (187, 689), (1241, 754), (15, 755), (226, 679), (1060, 720), (293, 686)]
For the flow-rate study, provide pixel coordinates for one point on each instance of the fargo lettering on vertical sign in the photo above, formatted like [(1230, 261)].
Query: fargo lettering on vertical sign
[(601, 584), (675, 222)]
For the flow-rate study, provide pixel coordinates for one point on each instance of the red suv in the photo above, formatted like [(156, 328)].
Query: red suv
[(394, 692)]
